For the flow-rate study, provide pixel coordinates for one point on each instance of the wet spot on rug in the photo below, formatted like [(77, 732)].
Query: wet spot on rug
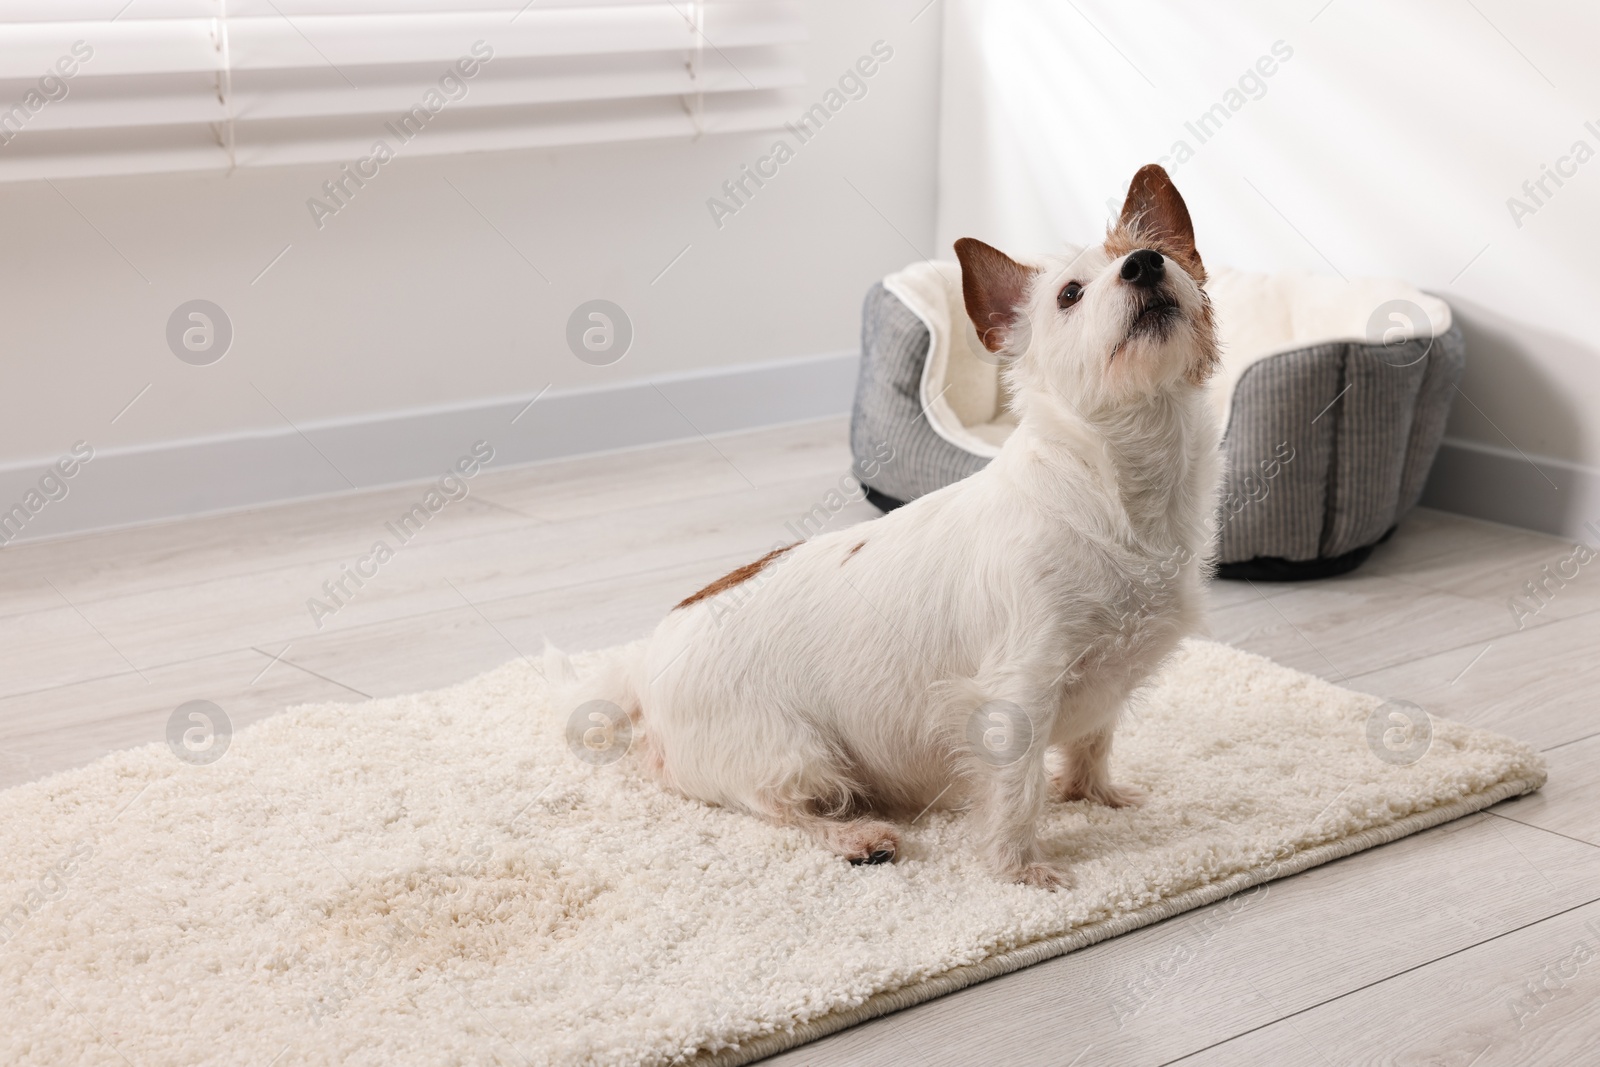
[(473, 910)]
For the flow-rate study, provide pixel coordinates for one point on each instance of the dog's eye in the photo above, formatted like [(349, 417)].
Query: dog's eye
[(1070, 294)]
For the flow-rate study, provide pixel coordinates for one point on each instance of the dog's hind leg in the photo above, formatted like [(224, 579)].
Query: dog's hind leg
[(857, 840)]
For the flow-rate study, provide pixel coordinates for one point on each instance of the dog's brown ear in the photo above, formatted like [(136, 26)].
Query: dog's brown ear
[(1156, 212), (994, 286)]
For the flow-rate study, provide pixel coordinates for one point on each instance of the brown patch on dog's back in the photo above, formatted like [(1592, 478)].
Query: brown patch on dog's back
[(734, 577), (859, 546)]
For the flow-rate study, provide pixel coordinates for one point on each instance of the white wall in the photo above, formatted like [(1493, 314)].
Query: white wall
[(1388, 144), (409, 299)]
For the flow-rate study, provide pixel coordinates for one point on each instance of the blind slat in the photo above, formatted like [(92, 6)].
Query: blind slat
[(71, 154), (193, 98), (164, 46)]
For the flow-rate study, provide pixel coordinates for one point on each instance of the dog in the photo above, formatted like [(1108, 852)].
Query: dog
[(975, 648)]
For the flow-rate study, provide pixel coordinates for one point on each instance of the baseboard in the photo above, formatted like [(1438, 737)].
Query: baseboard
[(131, 486), (1503, 485)]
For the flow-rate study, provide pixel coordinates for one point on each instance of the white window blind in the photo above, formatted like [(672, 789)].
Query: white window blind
[(113, 87)]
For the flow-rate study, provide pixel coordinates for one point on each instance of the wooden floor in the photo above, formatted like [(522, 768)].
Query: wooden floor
[(1475, 943)]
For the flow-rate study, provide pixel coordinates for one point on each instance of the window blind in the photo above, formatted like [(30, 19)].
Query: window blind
[(117, 87)]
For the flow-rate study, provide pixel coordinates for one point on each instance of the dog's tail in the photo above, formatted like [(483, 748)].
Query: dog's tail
[(613, 679), (605, 707)]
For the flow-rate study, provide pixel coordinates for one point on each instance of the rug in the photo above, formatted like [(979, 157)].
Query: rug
[(456, 878)]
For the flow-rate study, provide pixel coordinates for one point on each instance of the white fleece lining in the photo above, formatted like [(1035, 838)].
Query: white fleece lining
[(931, 289), (1257, 316), (434, 878)]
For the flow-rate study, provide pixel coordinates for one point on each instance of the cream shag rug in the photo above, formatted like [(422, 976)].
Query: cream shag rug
[(437, 879)]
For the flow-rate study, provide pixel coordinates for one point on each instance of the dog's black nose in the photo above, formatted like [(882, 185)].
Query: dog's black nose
[(1143, 268)]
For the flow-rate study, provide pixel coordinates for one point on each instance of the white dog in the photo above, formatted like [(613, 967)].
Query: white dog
[(936, 655)]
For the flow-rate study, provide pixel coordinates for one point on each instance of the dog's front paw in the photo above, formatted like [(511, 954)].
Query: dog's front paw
[(1109, 794), (1050, 876), (1120, 796)]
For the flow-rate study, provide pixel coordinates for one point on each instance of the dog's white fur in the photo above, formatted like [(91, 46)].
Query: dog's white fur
[(844, 682)]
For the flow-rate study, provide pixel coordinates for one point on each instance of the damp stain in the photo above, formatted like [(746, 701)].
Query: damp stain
[(477, 912)]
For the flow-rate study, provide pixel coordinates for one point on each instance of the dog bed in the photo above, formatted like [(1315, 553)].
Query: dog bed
[(1333, 396)]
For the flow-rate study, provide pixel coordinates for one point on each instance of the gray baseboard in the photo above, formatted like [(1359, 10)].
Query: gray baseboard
[(1502, 485), (129, 486)]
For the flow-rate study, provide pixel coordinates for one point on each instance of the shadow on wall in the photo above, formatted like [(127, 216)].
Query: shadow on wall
[(1507, 369), (1501, 366)]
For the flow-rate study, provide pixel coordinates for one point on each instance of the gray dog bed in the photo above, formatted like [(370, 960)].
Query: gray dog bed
[(1334, 396)]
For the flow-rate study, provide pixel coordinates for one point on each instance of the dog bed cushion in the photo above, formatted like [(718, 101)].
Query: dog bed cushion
[(1333, 395)]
